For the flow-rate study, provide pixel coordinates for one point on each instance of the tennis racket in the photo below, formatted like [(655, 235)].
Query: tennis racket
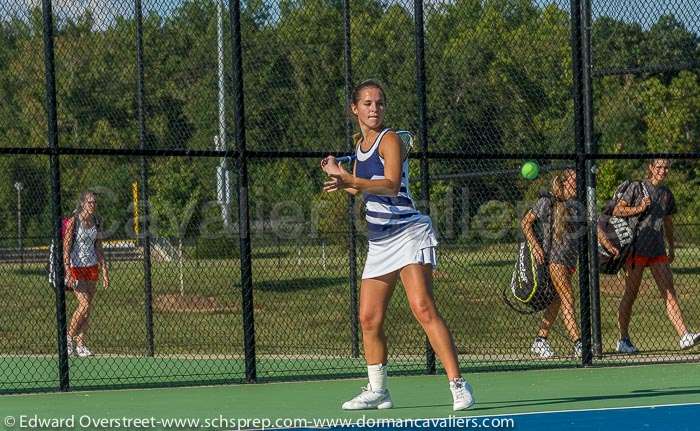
[(407, 141)]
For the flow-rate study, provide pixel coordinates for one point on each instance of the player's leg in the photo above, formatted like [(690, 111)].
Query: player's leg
[(78, 317), (561, 280), (417, 281), (541, 346), (664, 280), (375, 294), (624, 312), (86, 290)]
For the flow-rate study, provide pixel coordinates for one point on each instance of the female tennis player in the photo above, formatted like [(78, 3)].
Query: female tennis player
[(557, 229), (402, 243), (550, 229), (82, 257), (654, 211)]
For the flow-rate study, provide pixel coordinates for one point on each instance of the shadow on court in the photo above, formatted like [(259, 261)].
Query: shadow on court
[(495, 263), (687, 271), (301, 283), (30, 271), (269, 254)]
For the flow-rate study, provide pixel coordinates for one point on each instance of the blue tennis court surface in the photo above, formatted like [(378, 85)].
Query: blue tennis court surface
[(682, 417), (668, 417)]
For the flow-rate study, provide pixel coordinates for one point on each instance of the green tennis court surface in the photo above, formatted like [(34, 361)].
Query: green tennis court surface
[(138, 371), (497, 393)]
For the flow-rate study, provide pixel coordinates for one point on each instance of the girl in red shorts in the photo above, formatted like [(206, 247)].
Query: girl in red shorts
[(654, 205), (82, 258)]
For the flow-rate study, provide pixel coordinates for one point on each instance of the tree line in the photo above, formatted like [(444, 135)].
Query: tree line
[(499, 79)]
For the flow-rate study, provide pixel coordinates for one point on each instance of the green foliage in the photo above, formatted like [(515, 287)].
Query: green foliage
[(672, 113), (176, 198), (329, 215), (495, 221), (498, 78)]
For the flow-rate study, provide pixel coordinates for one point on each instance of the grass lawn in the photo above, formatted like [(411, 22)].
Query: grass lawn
[(302, 316)]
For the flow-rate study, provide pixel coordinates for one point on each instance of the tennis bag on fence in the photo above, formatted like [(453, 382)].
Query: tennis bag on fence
[(620, 231), (531, 287)]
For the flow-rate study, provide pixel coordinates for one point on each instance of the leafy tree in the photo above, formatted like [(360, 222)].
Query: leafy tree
[(498, 79)]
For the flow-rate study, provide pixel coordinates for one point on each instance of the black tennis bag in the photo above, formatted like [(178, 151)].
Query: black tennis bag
[(620, 231), (531, 288), (621, 235), (531, 284)]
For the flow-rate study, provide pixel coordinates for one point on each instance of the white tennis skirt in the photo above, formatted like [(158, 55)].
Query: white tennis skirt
[(415, 244)]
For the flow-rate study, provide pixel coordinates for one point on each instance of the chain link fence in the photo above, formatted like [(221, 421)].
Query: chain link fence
[(645, 76), (226, 261)]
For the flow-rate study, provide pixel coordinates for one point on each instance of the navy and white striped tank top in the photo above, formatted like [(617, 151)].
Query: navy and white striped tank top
[(385, 215)]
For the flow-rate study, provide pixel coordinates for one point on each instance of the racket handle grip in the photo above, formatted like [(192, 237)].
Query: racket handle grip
[(345, 159)]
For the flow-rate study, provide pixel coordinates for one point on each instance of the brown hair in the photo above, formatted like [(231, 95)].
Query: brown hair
[(651, 162), (355, 98), (368, 83), (81, 200), (560, 212)]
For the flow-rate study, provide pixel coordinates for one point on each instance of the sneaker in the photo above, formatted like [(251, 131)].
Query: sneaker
[(541, 348), (369, 399), (578, 349), (461, 394), (688, 340), (624, 345), (69, 346), (82, 351)]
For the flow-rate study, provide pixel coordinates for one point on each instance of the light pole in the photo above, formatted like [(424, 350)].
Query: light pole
[(222, 173), (19, 186)]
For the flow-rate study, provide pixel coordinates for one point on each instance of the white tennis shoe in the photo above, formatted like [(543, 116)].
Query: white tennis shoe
[(82, 351), (624, 345), (688, 340), (461, 394), (541, 348), (369, 399)]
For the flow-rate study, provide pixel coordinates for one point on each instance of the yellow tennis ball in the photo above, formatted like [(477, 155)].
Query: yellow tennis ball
[(530, 170)]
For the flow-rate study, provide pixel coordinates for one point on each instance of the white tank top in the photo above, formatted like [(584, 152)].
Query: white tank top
[(83, 252)]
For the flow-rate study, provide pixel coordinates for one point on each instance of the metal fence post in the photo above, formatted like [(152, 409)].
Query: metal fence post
[(352, 234), (591, 149), (243, 214), (52, 126), (423, 134), (147, 286), (581, 174)]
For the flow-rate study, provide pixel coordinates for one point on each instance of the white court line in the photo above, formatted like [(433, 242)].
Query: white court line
[(581, 410)]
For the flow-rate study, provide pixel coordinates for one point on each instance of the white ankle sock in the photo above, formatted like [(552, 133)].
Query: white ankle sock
[(377, 377)]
